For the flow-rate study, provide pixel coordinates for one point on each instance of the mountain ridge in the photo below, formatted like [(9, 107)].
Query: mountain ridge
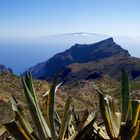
[(79, 53), (4, 69), (43, 47)]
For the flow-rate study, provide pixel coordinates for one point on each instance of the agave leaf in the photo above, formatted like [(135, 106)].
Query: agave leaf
[(104, 114), (98, 128), (29, 83), (135, 111), (65, 119), (80, 133), (2, 130), (71, 125), (83, 120), (57, 123), (126, 98), (22, 119), (47, 98), (17, 109), (71, 128), (16, 131), (85, 130), (100, 131), (57, 119), (43, 122), (90, 118), (112, 115), (56, 88), (76, 120), (46, 94), (35, 111), (50, 108), (135, 131), (109, 115), (118, 114)]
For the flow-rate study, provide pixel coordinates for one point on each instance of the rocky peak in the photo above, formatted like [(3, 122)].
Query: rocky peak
[(107, 42), (79, 53)]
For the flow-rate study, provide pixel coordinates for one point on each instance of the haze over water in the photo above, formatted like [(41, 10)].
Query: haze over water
[(26, 27)]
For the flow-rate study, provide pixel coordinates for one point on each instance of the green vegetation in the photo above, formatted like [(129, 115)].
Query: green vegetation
[(124, 125), (52, 127), (115, 125)]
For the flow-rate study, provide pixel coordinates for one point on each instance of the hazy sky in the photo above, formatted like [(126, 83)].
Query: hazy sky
[(33, 18)]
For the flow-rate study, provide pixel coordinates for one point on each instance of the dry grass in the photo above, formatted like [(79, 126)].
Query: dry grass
[(83, 94)]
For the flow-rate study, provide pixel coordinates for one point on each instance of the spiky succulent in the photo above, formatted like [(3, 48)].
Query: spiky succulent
[(122, 125), (52, 127)]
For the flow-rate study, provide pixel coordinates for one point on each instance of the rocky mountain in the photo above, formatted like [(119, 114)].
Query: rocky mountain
[(89, 61), (42, 48), (111, 66), (4, 69), (85, 67)]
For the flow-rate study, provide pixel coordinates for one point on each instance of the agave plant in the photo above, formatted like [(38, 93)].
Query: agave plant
[(51, 126), (118, 126), (124, 125)]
